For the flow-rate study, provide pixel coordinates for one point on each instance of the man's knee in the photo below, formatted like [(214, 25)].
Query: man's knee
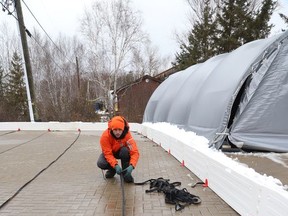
[(102, 163), (124, 153)]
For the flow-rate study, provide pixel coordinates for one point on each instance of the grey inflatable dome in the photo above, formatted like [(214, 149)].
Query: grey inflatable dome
[(242, 96)]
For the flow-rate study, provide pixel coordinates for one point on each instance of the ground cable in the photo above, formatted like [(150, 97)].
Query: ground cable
[(7, 133), (28, 182), (123, 194), (23, 143)]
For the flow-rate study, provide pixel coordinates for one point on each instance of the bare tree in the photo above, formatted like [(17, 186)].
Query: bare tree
[(8, 43), (113, 32), (146, 61), (57, 80)]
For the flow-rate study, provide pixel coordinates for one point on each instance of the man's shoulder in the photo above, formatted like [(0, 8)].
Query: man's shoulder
[(128, 135), (105, 133)]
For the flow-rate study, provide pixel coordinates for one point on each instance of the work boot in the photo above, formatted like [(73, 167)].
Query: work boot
[(129, 179), (110, 173)]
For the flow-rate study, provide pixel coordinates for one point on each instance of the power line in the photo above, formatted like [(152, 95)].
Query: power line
[(11, 13), (5, 8), (46, 32), (37, 42)]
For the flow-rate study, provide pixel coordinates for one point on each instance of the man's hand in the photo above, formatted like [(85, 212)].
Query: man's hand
[(128, 170), (118, 169)]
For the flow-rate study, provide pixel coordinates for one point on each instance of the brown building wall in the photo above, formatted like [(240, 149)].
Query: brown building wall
[(133, 99)]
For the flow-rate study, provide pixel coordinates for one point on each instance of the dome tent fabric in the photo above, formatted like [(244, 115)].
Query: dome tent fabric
[(242, 95)]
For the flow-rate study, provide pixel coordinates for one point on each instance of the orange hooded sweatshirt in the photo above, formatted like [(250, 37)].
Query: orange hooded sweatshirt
[(110, 144)]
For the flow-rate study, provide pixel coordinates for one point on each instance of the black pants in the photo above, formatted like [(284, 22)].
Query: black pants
[(123, 154)]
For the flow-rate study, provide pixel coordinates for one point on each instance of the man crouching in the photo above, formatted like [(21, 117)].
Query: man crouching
[(117, 143)]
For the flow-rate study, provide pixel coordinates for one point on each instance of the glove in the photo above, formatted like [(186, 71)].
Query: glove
[(118, 169), (128, 170)]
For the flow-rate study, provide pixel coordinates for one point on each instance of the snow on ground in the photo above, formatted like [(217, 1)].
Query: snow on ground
[(276, 157), (201, 144)]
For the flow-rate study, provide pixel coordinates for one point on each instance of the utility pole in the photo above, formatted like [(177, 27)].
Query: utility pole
[(78, 75), (28, 67)]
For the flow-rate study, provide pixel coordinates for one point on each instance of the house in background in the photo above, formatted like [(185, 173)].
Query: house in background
[(133, 98), (165, 74)]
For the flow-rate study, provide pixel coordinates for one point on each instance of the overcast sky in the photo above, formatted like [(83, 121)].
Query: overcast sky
[(162, 18), (159, 21)]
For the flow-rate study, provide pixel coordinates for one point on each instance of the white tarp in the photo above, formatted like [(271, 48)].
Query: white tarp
[(242, 95)]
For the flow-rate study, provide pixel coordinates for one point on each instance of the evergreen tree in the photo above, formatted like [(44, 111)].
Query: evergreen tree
[(16, 91), (201, 41), (234, 18), (260, 26), (239, 24), (2, 98), (236, 23)]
